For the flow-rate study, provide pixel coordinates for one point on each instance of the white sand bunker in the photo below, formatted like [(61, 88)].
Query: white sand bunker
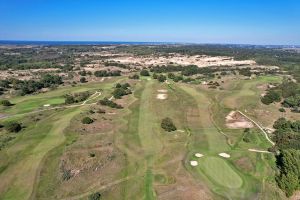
[(162, 91), (224, 155), (194, 163), (46, 105), (198, 155), (236, 120), (161, 96)]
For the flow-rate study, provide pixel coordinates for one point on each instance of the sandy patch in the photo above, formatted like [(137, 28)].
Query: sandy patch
[(236, 120), (194, 163), (198, 155), (181, 131), (224, 155), (162, 91), (46, 105), (161, 96)]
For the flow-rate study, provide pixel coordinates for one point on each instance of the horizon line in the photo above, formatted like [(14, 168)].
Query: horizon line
[(11, 41)]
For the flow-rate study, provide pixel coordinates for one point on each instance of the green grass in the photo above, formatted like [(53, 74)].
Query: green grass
[(220, 172)]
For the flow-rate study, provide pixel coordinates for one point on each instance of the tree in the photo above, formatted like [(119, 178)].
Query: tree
[(83, 80), (270, 97), (87, 120), (95, 196), (5, 103), (168, 125), (13, 127), (144, 72), (288, 163)]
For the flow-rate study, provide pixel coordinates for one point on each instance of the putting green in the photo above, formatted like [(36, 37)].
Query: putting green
[(220, 172)]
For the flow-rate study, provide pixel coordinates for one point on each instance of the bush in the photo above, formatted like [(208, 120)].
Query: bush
[(87, 120), (13, 127), (270, 97), (121, 90), (5, 103), (92, 155), (104, 73), (66, 175), (83, 80), (154, 76), (161, 78), (144, 72), (135, 76), (281, 110), (168, 125), (95, 196), (107, 102)]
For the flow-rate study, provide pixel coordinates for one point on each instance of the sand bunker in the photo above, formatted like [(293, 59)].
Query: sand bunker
[(162, 91), (224, 155), (236, 120), (194, 163), (46, 105), (198, 155), (161, 96)]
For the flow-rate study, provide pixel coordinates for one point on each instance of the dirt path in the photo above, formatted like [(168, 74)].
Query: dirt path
[(260, 127), (259, 151)]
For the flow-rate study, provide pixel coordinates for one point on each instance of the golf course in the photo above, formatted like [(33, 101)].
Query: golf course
[(125, 154)]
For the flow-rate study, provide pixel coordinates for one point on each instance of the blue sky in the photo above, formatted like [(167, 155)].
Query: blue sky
[(201, 21)]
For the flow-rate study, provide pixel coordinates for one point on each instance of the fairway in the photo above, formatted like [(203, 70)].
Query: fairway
[(220, 172)]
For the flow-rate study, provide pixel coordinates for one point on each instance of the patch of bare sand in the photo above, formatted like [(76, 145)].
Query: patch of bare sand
[(235, 120), (161, 96), (162, 91), (224, 155)]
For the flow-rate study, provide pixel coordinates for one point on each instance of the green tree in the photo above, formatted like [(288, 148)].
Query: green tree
[(168, 125)]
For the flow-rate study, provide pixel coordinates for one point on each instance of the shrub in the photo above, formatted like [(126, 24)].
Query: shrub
[(107, 102), (168, 125), (135, 76), (5, 103), (66, 175), (83, 80), (87, 120), (121, 90), (281, 110), (95, 196), (13, 127), (144, 72), (92, 155), (161, 78), (270, 97)]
